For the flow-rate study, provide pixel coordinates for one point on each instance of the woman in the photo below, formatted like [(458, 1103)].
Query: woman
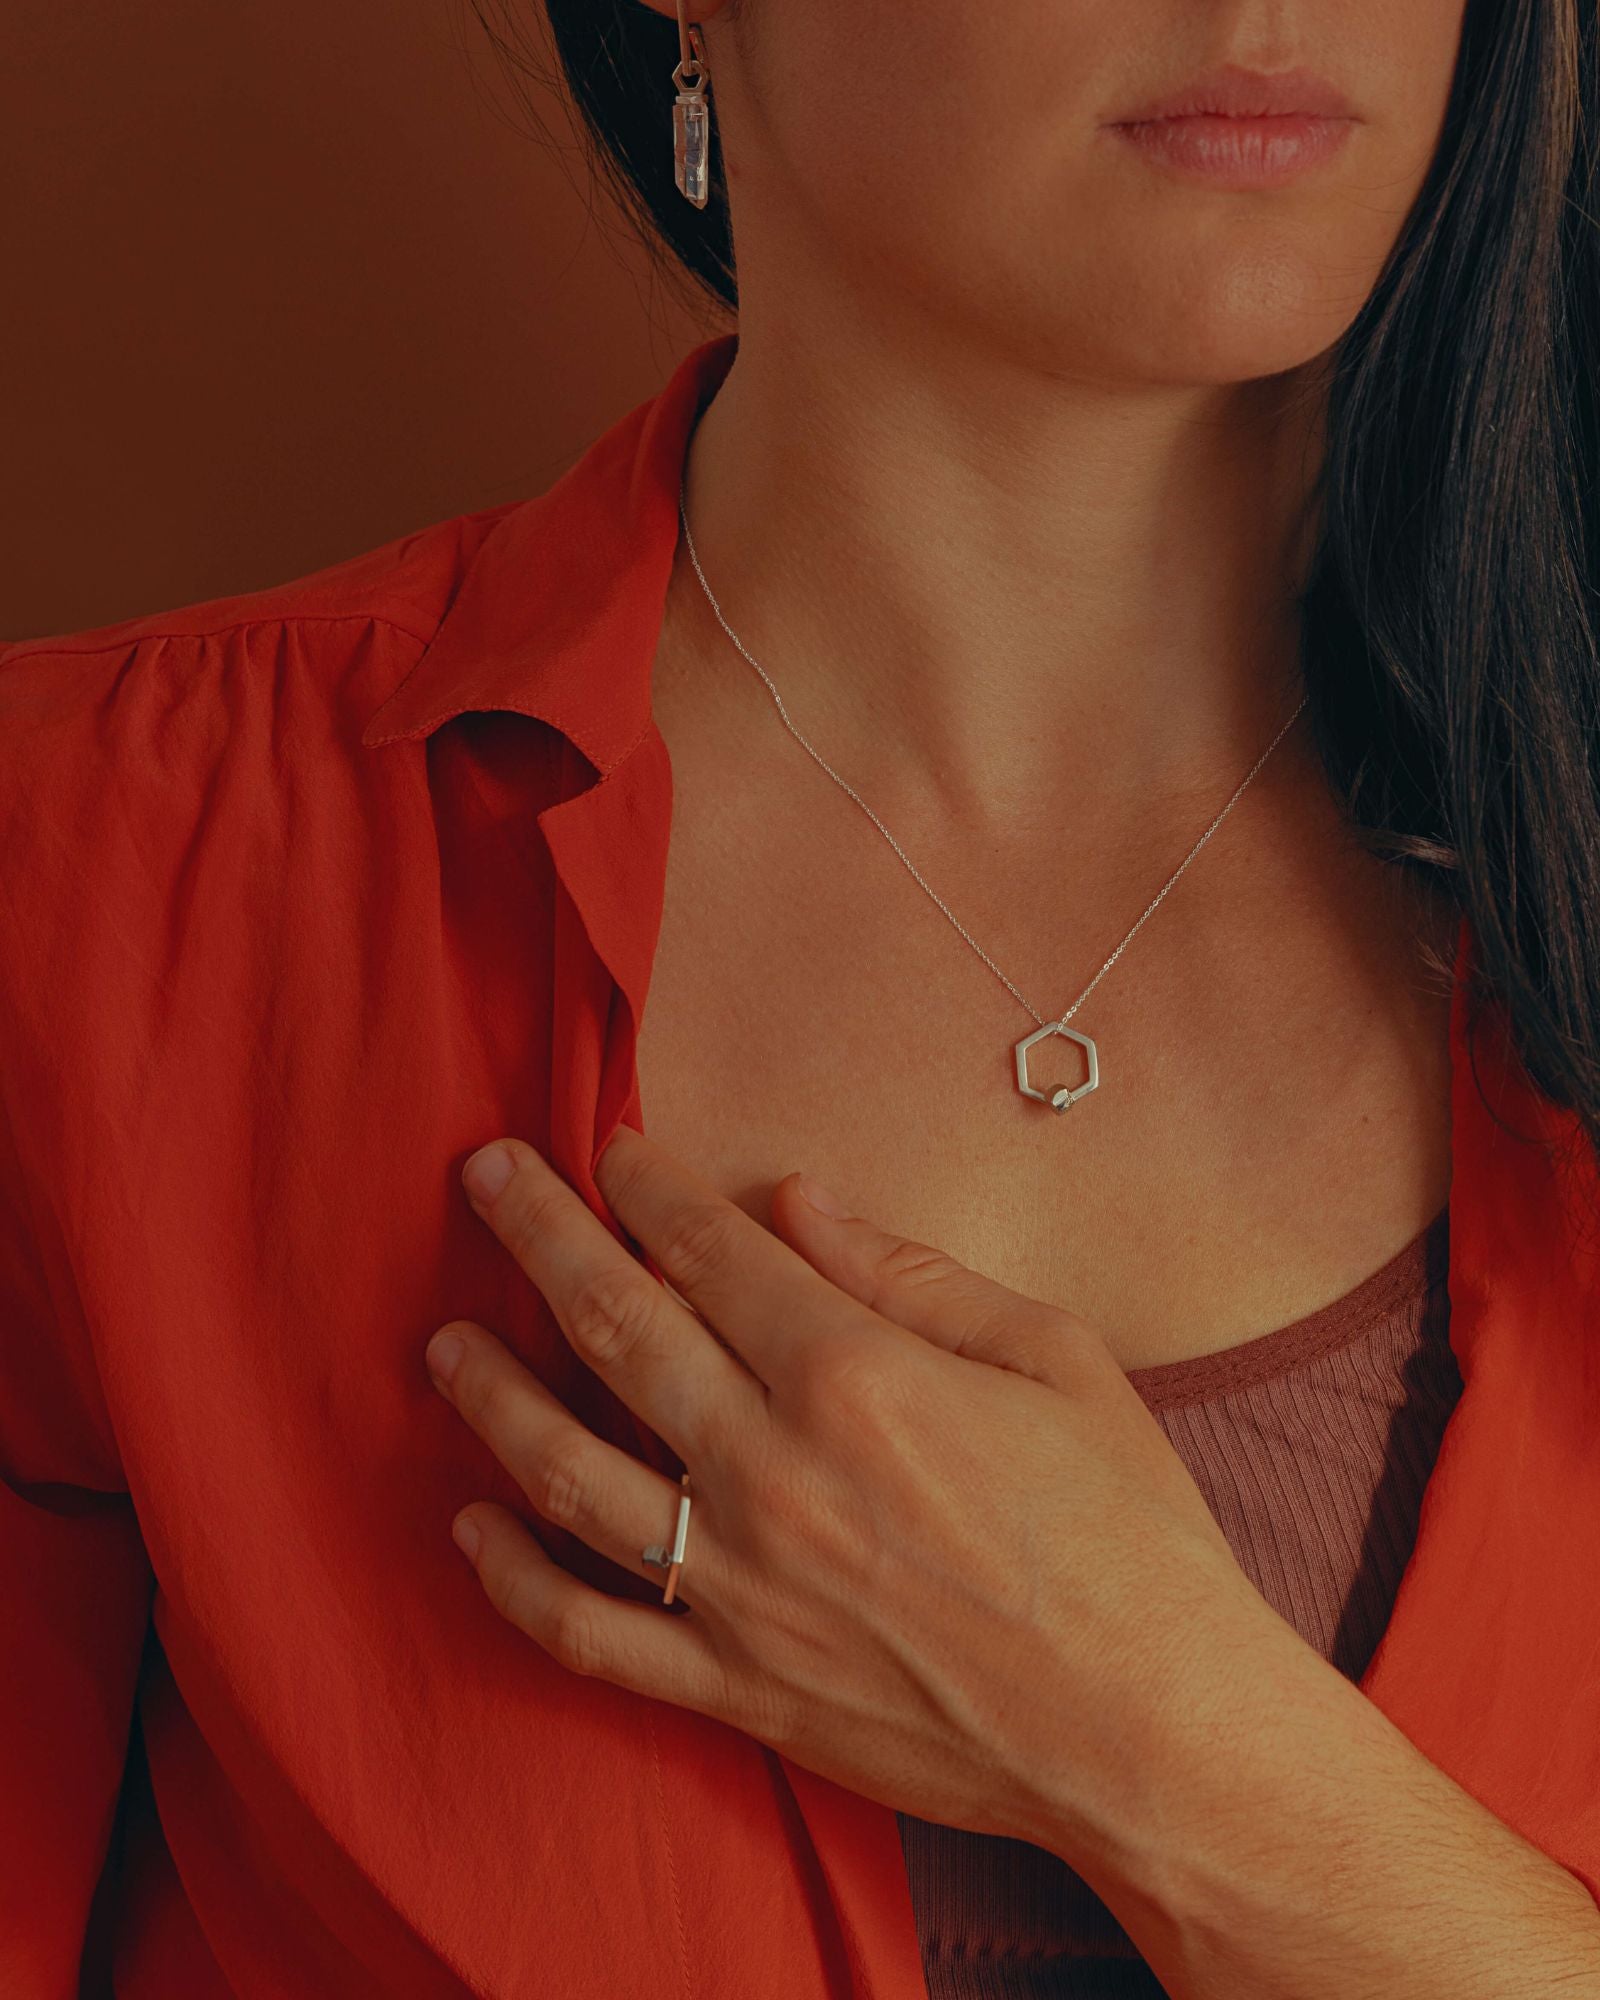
[(1145, 1541)]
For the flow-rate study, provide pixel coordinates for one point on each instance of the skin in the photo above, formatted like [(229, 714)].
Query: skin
[(883, 1445), (1023, 400), (1018, 423)]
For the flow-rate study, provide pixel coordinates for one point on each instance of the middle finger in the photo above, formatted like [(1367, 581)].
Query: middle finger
[(607, 1498)]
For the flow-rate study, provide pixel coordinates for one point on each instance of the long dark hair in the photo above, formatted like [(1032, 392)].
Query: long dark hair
[(1450, 617)]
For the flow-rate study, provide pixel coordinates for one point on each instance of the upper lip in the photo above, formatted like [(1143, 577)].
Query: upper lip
[(1232, 92)]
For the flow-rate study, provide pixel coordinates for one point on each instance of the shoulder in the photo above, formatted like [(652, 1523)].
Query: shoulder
[(129, 749), (104, 679), (163, 776)]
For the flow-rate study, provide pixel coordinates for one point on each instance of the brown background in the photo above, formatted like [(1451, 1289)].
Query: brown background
[(283, 279)]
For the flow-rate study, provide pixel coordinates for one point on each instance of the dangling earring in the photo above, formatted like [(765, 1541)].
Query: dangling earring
[(691, 116)]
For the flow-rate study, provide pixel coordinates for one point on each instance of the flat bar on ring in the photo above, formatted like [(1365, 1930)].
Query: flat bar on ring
[(682, 1530)]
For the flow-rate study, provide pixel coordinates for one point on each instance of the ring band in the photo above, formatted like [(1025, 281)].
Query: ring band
[(671, 1560)]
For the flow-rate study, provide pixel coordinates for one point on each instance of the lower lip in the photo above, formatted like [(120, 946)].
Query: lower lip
[(1238, 152)]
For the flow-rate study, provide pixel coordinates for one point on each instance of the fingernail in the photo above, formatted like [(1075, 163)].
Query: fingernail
[(821, 1198), (444, 1354), (464, 1533), (487, 1172)]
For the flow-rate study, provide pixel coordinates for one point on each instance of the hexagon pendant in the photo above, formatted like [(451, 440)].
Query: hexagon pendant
[(1060, 1099)]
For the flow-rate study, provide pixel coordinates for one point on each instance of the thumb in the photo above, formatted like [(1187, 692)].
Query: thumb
[(930, 1294)]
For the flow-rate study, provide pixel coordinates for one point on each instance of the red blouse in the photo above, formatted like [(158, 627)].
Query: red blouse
[(303, 895)]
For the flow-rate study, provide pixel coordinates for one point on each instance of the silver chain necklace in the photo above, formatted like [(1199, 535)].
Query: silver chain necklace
[(1059, 1098)]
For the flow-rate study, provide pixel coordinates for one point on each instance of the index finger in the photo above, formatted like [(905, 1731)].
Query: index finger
[(646, 1345)]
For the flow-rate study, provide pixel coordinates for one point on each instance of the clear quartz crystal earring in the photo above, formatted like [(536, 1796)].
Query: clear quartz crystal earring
[(691, 116)]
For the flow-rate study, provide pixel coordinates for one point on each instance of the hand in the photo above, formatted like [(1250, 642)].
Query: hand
[(938, 1550)]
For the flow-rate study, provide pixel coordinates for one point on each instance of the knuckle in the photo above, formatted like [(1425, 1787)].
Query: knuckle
[(562, 1487), (987, 1318), (612, 1312), (848, 1380), (907, 1266), (575, 1640), (697, 1244)]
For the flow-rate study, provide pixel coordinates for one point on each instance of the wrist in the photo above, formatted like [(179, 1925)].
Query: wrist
[(1178, 1787)]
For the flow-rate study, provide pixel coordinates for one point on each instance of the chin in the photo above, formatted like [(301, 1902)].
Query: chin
[(1187, 319)]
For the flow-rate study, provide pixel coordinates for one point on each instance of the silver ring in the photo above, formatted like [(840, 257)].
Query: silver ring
[(671, 1560)]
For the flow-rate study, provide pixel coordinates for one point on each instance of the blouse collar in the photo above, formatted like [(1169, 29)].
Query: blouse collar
[(558, 614)]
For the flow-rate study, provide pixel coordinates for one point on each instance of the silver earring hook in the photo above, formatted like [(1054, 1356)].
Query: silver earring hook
[(691, 54)]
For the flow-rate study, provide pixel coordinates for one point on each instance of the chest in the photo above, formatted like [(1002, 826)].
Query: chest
[(1258, 1143)]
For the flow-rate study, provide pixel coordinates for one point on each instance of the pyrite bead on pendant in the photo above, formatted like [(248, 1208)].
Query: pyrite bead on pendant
[(691, 144)]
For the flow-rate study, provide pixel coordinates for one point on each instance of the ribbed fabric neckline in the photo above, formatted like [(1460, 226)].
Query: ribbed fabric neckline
[(1420, 1266)]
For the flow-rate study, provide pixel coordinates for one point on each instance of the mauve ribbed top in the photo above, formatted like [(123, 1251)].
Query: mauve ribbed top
[(1312, 1445)]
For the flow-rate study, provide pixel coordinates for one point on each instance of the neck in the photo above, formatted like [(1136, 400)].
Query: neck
[(980, 591)]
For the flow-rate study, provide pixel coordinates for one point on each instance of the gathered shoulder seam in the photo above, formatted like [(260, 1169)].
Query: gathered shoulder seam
[(33, 650)]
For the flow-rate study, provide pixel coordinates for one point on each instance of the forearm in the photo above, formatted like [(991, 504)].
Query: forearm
[(1313, 1853)]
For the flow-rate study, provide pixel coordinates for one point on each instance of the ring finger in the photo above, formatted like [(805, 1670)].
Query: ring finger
[(605, 1497)]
